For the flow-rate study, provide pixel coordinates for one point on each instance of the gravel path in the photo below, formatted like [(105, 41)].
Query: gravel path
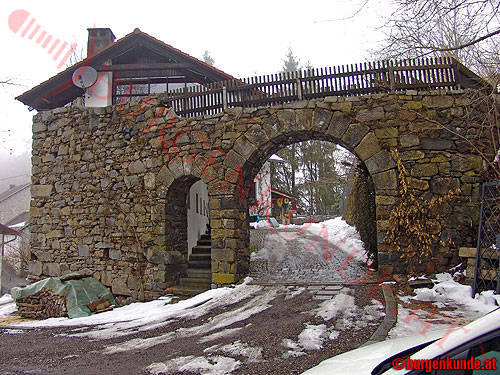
[(307, 259), (294, 331), (298, 311)]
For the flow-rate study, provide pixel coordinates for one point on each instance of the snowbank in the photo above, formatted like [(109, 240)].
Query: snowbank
[(340, 236), (7, 305), (447, 304)]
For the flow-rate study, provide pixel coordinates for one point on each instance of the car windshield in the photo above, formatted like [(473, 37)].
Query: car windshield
[(387, 363)]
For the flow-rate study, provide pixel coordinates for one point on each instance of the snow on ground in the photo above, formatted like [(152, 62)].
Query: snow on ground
[(447, 304), (7, 305), (341, 303), (254, 306), (329, 236), (274, 250), (135, 317), (217, 365), (238, 348), (311, 338), (340, 236), (349, 316), (228, 332)]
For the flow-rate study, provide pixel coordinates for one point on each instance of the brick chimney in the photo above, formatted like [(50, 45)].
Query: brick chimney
[(99, 39)]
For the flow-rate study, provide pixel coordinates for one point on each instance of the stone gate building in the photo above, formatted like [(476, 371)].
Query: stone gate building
[(110, 184)]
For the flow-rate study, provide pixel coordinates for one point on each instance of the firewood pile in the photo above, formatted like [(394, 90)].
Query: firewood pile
[(42, 305)]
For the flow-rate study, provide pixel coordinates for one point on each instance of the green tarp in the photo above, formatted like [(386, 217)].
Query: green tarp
[(79, 292)]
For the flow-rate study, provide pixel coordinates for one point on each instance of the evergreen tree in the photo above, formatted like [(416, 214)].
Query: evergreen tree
[(291, 63), (311, 171), (208, 59)]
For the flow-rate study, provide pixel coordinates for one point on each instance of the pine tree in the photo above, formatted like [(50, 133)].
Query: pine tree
[(310, 171), (208, 59), (291, 63)]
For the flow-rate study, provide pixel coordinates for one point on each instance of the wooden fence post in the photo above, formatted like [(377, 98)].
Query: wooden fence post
[(224, 97), (299, 87)]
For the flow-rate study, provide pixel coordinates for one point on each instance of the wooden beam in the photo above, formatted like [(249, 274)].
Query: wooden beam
[(153, 66)]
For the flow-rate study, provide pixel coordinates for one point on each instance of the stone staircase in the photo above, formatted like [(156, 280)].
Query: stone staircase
[(199, 271)]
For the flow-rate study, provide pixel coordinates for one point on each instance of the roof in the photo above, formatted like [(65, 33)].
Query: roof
[(60, 90), (276, 158), (20, 221), (12, 191), (6, 230), (283, 194)]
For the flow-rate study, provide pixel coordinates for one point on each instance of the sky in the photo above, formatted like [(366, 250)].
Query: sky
[(244, 38)]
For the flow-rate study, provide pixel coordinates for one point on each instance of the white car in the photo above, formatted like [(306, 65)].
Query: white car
[(433, 353)]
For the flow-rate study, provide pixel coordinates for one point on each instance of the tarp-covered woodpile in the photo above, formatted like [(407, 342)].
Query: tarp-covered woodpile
[(74, 295)]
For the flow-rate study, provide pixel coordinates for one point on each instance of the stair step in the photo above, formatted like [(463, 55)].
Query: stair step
[(206, 236), (196, 282), (202, 242), (205, 273), (200, 257), (188, 291), (201, 249), (200, 264)]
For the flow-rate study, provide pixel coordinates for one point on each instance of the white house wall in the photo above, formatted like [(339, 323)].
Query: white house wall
[(15, 205), (262, 207), (198, 215), (101, 93)]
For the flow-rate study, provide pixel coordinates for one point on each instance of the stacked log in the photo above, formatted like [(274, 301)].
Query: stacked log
[(42, 305)]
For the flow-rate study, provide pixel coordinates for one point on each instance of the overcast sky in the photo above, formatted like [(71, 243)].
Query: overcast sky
[(245, 39)]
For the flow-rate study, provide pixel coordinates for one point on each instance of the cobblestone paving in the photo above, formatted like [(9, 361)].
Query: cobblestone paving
[(306, 259)]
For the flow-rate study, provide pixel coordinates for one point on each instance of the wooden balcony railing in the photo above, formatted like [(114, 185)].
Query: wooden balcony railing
[(350, 80)]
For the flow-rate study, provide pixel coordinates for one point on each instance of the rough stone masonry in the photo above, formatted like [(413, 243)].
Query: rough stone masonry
[(109, 184)]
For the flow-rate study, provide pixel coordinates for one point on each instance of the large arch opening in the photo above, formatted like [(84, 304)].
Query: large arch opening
[(316, 230)]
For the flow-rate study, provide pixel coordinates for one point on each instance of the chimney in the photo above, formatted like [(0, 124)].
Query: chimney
[(99, 39), (12, 186)]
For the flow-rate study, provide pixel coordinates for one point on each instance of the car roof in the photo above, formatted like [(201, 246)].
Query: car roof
[(457, 335)]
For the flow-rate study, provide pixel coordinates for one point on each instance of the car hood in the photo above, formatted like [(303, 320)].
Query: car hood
[(363, 360)]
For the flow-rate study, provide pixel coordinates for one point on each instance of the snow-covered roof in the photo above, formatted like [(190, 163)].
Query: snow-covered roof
[(276, 158)]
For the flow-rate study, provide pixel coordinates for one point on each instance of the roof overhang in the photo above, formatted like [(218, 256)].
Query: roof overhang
[(60, 90), (8, 231)]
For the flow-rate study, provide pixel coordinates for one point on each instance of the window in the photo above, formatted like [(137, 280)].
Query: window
[(484, 348), (129, 89)]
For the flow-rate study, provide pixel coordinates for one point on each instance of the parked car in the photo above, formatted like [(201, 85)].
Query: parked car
[(479, 339)]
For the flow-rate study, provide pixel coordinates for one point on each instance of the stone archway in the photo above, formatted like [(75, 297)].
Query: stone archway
[(283, 127), (132, 165)]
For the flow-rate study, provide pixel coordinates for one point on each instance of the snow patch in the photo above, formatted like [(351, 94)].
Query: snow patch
[(130, 319), (217, 365), (446, 289), (461, 308), (294, 293), (238, 348), (254, 306), (274, 250), (312, 337), (341, 236), (7, 305), (340, 304), (220, 335)]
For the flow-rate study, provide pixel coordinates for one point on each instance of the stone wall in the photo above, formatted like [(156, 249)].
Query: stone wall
[(360, 209), (109, 184)]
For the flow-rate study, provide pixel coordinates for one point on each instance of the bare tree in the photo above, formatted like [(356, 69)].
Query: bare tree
[(468, 30)]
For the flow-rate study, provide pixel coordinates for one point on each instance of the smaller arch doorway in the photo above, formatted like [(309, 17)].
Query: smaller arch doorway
[(198, 214), (187, 214), (187, 235)]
